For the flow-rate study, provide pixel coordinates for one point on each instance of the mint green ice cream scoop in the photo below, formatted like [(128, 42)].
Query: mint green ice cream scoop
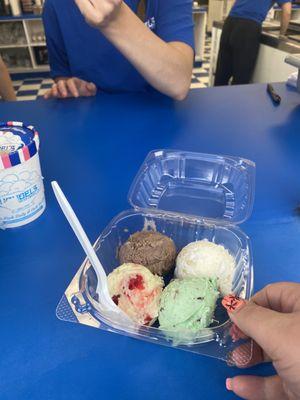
[(188, 304)]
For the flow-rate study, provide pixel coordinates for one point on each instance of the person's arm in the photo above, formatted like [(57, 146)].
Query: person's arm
[(167, 66), (6, 88), (285, 17)]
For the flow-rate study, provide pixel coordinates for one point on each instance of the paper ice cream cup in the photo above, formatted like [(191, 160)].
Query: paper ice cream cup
[(22, 197)]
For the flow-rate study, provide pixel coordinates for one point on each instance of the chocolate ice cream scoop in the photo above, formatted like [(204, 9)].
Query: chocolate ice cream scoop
[(154, 250)]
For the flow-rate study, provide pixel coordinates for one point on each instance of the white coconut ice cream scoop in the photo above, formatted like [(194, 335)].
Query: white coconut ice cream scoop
[(206, 259)]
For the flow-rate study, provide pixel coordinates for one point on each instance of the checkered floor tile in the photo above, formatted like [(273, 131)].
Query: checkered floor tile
[(34, 88), (201, 69), (31, 89)]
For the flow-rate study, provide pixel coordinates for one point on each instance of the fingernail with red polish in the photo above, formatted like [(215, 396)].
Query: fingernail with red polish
[(229, 384), (232, 302)]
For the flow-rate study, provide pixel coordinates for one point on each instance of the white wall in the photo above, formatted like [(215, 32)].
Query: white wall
[(270, 66)]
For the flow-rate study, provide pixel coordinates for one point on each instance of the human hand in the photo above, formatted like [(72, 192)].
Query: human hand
[(99, 13), (71, 87), (272, 319)]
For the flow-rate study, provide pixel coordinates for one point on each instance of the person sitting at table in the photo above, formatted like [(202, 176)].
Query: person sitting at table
[(106, 45), (6, 88), (240, 39)]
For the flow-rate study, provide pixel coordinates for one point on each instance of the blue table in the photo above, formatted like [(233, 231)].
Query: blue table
[(93, 147)]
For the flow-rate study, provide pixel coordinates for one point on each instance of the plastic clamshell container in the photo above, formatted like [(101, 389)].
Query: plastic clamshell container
[(187, 196)]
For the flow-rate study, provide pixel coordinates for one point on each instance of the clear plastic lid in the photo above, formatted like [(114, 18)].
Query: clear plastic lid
[(213, 187)]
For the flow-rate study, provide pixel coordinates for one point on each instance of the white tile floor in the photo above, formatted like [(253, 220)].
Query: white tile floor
[(34, 88)]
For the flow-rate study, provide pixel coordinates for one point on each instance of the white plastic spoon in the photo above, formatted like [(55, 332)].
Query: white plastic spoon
[(108, 307)]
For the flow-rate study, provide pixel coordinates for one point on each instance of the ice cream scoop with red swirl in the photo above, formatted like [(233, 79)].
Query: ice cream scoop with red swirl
[(136, 291)]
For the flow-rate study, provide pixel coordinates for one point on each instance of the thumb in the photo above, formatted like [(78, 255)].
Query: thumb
[(257, 388), (265, 326)]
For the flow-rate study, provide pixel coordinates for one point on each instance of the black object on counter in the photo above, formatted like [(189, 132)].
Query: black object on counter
[(274, 96)]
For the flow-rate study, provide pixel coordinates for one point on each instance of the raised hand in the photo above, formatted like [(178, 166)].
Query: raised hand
[(99, 13)]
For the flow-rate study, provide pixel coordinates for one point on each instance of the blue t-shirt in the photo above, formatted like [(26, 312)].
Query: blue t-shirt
[(77, 49), (256, 10)]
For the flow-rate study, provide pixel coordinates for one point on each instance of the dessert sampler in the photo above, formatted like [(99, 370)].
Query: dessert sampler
[(200, 274)]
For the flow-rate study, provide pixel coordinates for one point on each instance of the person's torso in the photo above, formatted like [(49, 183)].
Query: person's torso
[(92, 57), (255, 10)]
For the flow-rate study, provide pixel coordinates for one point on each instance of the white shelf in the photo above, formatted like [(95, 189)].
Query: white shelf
[(21, 70), (13, 46), (22, 17), (18, 70), (30, 26), (38, 44), (42, 68)]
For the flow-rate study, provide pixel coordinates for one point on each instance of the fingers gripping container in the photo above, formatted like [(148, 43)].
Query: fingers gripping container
[(22, 197), (187, 196)]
